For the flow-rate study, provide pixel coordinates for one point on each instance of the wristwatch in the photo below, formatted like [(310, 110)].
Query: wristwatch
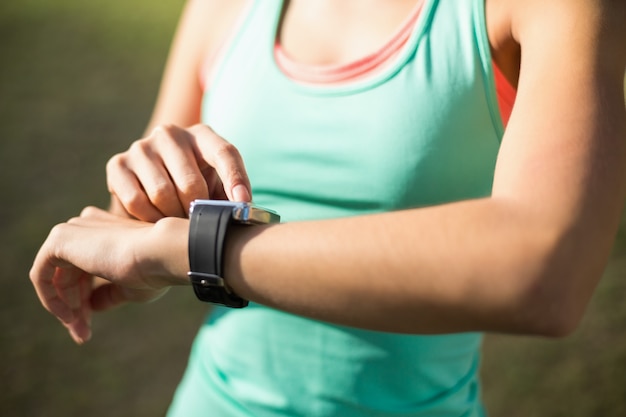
[(209, 222)]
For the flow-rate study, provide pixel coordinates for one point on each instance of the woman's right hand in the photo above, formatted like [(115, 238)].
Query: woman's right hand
[(161, 174)]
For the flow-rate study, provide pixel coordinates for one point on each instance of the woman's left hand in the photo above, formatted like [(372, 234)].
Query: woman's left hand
[(139, 260)]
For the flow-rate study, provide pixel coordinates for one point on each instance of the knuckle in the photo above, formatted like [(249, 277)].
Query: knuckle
[(200, 128), (167, 136), (164, 133), (132, 201), (115, 169), (56, 232), (88, 211), (192, 185), (160, 193), (34, 277), (157, 131), (73, 220), (202, 132), (226, 150), (140, 146), (115, 162), (163, 129)]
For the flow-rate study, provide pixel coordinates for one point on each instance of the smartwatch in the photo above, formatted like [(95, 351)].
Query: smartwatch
[(209, 222)]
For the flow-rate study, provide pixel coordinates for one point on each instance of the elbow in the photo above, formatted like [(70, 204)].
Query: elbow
[(538, 311), (551, 274), (554, 306), (562, 329), (551, 302), (551, 320)]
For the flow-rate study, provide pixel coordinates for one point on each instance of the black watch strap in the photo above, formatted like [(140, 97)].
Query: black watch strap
[(207, 232)]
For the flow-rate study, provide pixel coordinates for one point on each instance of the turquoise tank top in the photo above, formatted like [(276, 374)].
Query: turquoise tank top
[(424, 131)]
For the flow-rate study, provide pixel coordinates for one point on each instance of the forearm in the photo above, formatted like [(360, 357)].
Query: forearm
[(474, 265)]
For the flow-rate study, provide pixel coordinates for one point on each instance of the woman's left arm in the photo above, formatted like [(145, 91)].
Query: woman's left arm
[(564, 152), (528, 258)]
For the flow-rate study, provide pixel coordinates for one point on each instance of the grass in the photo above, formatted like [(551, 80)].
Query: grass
[(77, 83)]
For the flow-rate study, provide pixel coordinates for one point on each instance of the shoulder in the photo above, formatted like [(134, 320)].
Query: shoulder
[(202, 29), (595, 25), (213, 18), (594, 29)]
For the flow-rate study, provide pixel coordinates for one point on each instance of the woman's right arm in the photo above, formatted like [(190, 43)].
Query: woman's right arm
[(158, 178), (167, 185)]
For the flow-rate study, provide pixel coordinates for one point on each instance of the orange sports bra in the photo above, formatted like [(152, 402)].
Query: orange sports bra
[(363, 67)]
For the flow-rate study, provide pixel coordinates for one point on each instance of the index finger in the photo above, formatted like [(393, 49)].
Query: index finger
[(225, 159), (177, 152)]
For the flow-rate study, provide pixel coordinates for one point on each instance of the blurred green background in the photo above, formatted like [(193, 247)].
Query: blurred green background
[(77, 82)]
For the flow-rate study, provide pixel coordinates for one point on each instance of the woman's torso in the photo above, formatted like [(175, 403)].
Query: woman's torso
[(425, 130)]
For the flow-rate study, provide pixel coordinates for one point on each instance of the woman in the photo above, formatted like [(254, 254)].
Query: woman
[(412, 219)]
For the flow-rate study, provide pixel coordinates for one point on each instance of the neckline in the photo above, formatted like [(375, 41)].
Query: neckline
[(424, 12), (353, 70)]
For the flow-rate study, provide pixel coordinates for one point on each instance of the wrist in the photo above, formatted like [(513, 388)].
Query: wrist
[(235, 256), (213, 225), (166, 259)]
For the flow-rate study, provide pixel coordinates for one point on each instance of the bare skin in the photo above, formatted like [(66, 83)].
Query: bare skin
[(524, 260)]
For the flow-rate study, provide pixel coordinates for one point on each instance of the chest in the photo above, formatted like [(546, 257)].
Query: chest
[(419, 133), (327, 32)]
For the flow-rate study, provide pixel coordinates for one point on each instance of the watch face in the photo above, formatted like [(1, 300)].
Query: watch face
[(248, 213)]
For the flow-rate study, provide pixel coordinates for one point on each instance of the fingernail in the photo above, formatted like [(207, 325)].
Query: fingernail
[(77, 339), (81, 339), (241, 193)]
